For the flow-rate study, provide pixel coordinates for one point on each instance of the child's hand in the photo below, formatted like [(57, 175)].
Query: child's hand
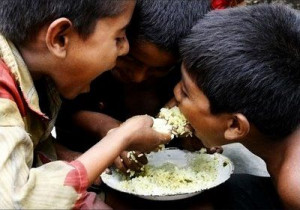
[(217, 149), (126, 163), (140, 134)]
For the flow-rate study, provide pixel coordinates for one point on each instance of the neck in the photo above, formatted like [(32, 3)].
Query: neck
[(282, 157), (36, 55), (270, 150), (36, 59)]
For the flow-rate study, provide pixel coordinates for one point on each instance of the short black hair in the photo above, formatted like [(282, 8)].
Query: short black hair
[(21, 19), (165, 22), (247, 60)]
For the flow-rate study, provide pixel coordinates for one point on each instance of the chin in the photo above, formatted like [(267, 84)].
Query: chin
[(205, 143), (70, 95)]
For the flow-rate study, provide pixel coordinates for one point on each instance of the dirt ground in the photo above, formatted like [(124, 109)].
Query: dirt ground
[(294, 3)]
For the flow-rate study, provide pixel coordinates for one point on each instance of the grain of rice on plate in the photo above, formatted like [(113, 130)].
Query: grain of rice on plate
[(168, 179)]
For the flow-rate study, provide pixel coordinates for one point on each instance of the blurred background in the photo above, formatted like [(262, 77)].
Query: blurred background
[(293, 3)]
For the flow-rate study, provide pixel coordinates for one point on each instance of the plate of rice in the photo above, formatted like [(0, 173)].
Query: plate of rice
[(173, 174)]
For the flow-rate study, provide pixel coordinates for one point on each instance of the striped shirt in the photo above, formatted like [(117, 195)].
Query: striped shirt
[(23, 126)]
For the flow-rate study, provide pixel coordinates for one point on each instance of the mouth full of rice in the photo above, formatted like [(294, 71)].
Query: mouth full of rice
[(172, 121)]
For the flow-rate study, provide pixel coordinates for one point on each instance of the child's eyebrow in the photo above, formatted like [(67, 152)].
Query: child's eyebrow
[(124, 27)]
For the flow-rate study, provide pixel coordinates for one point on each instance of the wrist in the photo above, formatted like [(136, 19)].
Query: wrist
[(109, 126), (121, 135)]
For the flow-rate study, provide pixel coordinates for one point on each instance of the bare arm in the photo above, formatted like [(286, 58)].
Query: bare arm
[(135, 133), (288, 184), (96, 123), (64, 153), (289, 187)]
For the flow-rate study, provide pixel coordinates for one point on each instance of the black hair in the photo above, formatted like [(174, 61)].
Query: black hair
[(247, 60), (21, 19), (165, 22)]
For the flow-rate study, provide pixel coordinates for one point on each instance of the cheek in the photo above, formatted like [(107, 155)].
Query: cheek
[(107, 56), (194, 120), (190, 114), (204, 130), (105, 63), (210, 132)]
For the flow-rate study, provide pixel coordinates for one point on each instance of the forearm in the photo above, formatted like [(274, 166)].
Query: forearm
[(102, 154), (65, 154), (135, 133), (96, 123)]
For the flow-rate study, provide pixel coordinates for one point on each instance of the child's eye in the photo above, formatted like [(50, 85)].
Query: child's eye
[(120, 40)]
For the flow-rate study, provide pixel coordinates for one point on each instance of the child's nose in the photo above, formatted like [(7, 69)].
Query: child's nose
[(140, 74), (124, 48)]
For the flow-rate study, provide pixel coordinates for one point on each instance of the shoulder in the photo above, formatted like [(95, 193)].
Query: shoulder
[(12, 107), (288, 184)]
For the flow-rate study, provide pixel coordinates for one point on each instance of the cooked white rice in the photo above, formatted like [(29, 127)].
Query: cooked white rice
[(169, 179), (172, 121)]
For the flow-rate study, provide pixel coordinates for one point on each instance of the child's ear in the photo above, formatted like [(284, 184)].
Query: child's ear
[(237, 127), (57, 37)]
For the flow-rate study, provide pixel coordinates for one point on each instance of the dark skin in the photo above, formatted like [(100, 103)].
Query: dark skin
[(138, 76), (54, 54), (282, 160)]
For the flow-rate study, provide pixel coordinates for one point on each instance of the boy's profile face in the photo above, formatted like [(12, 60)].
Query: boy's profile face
[(196, 108), (88, 58), (144, 63)]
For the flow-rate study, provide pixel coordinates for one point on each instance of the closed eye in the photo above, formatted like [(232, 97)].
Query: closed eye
[(120, 40)]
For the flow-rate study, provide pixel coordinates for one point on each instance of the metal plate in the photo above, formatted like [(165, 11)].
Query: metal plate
[(184, 161)]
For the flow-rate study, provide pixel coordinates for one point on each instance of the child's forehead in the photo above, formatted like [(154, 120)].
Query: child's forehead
[(152, 54), (117, 23)]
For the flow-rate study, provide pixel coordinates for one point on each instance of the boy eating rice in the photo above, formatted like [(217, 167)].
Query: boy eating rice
[(241, 84), (47, 48)]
